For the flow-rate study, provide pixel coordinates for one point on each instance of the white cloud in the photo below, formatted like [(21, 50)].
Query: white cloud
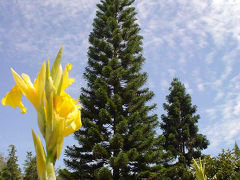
[(200, 40), (190, 22), (219, 95), (198, 80), (45, 25), (212, 113), (189, 90), (226, 129), (172, 72), (164, 84), (35, 30), (201, 87)]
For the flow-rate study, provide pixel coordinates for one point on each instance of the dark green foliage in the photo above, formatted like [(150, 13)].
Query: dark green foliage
[(30, 167), (176, 172), (2, 162), (179, 125), (2, 165), (104, 174), (223, 167), (118, 138), (60, 174), (66, 175), (236, 152), (11, 171)]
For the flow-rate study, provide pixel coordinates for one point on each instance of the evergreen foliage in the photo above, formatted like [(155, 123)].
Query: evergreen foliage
[(2, 165), (236, 151), (118, 138), (179, 126), (11, 171), (225, 166), (30, 167), (2, 162)]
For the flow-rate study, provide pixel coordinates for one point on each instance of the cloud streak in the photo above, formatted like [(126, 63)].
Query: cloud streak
[(200, 40), (197, 41)]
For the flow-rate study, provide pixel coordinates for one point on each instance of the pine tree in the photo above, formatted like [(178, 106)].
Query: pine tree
[(236, 151), (11, 171), (179, 126), (118, 138), (2, 164), (30, 167)]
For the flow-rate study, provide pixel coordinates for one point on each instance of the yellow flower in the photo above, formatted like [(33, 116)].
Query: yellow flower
[(34, 92), (58, 113), (66, 120), (62, 111)]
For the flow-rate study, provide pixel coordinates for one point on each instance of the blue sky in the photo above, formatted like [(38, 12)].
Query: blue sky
[(196, 41)]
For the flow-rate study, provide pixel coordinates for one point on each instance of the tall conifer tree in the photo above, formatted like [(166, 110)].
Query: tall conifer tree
[(11, 171), (30, 167), (118, 138), (179, 126)]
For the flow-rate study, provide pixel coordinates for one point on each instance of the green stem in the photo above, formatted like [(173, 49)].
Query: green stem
[(50, 168)]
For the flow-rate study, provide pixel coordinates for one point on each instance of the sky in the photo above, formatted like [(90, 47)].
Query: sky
[(197, 41)]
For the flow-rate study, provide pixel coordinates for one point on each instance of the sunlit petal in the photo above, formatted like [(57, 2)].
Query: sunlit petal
[(20, 82), (26, 87), (13, 98), (66, 81), (74, 122), (58, 113), (64, 105)]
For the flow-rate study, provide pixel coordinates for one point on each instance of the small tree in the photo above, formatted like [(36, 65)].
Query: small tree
[(222, 167), (179, 126), (30, 167), (11, 171)]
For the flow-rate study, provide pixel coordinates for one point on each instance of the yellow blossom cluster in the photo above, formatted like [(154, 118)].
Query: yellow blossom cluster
[(57, 112)]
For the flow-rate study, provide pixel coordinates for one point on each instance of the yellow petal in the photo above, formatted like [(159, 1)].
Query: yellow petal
[(13, 98), (34, 92), (20, 82), (66, 81), (26, 87), (41, 156), (27, 80), (39, 83), (73, 123), (64, 105)]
